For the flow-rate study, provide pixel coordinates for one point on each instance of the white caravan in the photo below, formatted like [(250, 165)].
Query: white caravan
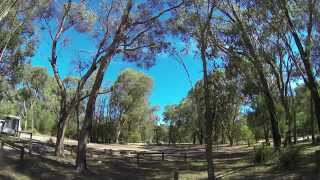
[(10, 124)]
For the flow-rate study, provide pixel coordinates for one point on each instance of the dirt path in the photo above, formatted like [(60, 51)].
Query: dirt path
[(116, 147)]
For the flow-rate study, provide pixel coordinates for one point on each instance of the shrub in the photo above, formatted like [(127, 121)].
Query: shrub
[(247, 134), (289, 157), (263, 154), (134, 137)]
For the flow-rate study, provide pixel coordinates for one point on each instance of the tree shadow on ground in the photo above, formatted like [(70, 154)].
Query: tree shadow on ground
[(303, 169), (229, 165), (38, 167), (5, 177)]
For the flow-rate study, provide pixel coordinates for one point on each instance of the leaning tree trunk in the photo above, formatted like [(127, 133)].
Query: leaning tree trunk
[(304, 48), (316, 101), (271, 107), (274, 123), (264, 84), (257, 62), (312, 86), (81, 161), (209, 115)]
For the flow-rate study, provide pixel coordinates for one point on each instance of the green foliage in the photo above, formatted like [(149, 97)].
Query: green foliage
[(246, 134), (129, 106), (134, 137), (161, 134)]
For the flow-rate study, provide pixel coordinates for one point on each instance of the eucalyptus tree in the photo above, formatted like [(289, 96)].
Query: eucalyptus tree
[(193, 24), (282, 69), (17, 36), (134, 31), (128, 104), (195, 96), (58, 18), (34, 83), (243, 39), (225, 90), (7, 6), (231, 97), (172, 117), (300, 18)]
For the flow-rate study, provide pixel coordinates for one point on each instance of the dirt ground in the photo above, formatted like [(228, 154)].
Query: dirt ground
[(188, 160)]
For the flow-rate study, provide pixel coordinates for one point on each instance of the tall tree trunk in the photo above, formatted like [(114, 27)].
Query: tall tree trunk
[(201, 136), (271, 109), (81, 161), (209, 115), (316, 102), (61, 128), (305, 52), (78, 119), (312, 121), (32, 117), (289, 128), (287, 140), (257, 62), (266, 133), (294, 126), (194, 138), (230, 139), (26, 116)]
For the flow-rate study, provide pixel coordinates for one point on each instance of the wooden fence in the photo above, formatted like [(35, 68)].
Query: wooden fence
[(17, 142)]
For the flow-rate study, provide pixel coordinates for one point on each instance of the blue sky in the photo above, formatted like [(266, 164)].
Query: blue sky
[(171, 83)]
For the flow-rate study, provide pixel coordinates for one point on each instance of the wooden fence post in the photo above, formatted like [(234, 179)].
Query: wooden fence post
[(185, 156), (162, 156), (30, 145), (22, 153), (137, 158)]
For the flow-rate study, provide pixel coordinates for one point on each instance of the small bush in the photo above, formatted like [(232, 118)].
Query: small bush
[(263, 154), (289, 157), (134, 137)]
